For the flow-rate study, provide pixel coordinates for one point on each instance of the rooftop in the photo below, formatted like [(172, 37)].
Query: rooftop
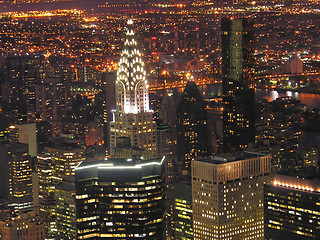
[(138, 162), (231, 157)]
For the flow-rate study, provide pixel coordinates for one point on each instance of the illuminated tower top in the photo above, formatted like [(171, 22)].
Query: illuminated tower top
[(132, 94)]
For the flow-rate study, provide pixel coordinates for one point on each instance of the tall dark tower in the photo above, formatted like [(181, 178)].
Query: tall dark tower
[(121, 199), (192, 131), (237, 83)]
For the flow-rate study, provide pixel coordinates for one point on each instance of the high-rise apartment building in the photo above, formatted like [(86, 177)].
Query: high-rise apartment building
[(227, 195), (237, 83), (132, 117), (292, 207), (120, 199)]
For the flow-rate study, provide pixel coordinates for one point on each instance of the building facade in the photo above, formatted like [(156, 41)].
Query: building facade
[(65, 212), (227, 195), (16, 176), (182, 211), (237, 83), (54, 167), (292, 208), (25, 226), (192, 130), (132, 117), (120, 199)]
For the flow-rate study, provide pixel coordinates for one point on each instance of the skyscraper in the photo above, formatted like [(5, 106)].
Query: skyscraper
[(192, 131), (65, 211), (58, 162), (292, 207), (132, 117), (120, 199), (16, 176), (237, 83), (227, 195), (182, 212)]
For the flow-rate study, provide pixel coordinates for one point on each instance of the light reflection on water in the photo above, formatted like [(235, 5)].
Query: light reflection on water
[(309, 99)]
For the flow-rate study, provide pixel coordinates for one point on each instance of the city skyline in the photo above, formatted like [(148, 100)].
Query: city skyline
[(159, 120)]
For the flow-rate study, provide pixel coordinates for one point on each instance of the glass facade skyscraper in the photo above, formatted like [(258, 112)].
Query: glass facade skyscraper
[(238, 83), (120, 199)]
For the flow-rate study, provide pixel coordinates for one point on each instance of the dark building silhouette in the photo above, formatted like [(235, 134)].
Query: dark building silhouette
[(192, 131), (16, 176), (120, 198), (20, 77), (238, 83)]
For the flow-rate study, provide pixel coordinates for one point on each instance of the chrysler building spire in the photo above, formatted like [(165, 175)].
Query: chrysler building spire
[(132, 118), (131, 85)]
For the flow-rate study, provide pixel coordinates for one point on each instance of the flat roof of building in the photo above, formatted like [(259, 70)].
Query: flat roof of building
[(120, 163), (222, 158)]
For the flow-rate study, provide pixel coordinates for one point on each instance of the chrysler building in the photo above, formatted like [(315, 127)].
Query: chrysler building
[(132, 117)]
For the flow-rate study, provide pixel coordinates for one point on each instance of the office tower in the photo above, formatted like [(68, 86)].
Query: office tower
[(167, 133), (16, 176), (58, 162), (65, 210), (124, 149), (237, 83), (166, 146), (132, 117), (66, 153), (182, 211), (192, 131), (45, 183), (120, 199), (227, 195), (292, 207), (24, 226)]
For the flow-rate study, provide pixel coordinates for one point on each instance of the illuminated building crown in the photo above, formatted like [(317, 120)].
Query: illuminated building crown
[(131, 85)]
